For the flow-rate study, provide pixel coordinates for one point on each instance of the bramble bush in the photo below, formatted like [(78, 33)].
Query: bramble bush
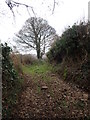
[(11, 83)]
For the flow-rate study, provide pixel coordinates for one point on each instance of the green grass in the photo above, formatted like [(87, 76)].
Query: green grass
[(38, 69)]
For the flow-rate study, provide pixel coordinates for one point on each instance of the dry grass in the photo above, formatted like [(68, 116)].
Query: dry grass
[(28, 59), (19, 59), (16, 58)]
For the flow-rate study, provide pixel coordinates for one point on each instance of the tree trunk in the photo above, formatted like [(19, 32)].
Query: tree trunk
[(38, 54), (38, 51)]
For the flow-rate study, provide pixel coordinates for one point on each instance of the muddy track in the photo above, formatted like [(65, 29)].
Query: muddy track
[(51, 99)]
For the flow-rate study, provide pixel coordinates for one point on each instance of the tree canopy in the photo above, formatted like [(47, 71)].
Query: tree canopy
[(36, 34)]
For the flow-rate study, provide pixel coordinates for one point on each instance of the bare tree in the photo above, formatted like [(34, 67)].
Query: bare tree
[(36, 34)]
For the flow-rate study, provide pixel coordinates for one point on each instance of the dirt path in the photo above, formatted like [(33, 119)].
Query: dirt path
[(53, 98)]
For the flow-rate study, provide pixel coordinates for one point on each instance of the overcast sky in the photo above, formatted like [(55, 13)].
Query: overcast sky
[(67, 12)]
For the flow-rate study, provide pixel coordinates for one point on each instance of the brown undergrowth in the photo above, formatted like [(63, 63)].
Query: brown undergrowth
[(57, 100)]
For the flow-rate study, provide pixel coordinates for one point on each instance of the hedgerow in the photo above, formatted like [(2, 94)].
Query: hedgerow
[(11, 83), (72, 52), (74, 43)]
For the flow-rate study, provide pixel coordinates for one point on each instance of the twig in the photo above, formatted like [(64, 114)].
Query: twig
[(12, 4), (53, 6)]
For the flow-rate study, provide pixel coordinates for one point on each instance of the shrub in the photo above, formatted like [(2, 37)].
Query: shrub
[(74, 43), (28, 59), (72, 51), (11, 83)]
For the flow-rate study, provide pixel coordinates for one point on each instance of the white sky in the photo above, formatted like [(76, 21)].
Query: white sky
[(66, 13)]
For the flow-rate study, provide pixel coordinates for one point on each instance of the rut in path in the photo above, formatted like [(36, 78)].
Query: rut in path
[(51, 99)]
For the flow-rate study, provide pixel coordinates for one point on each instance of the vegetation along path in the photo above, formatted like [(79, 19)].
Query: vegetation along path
[(45, 95)]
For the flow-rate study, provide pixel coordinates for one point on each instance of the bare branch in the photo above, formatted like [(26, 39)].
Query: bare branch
[(54, 2), (12, 4), (37, 34)]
